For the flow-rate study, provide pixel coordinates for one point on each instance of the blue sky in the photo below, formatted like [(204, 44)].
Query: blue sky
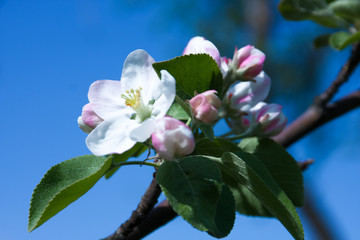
[(50, 53)]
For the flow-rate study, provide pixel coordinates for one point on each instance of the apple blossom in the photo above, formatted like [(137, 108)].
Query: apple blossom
[(205, 106), (201, 45), (241, 96), (270, 118), (172, 138), (88, 119), (247, 62), (129, 107)]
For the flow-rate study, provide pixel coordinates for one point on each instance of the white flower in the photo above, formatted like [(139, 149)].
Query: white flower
[(129, 107)]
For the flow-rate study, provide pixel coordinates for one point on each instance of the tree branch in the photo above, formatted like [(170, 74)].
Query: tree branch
[(147, 203), (342, 77), (317, 116)]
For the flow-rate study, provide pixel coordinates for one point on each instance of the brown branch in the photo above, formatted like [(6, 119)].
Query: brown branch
[(159, 216), (305, 164), (317, 116), (147, 203), (342, 77)]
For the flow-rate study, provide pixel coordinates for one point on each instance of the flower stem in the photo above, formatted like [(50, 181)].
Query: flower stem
[(136, 163)]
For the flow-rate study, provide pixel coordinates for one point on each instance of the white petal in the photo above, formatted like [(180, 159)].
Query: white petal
[(111, 136), (105, 98), (168, 89), (139, 72), (143, 131)]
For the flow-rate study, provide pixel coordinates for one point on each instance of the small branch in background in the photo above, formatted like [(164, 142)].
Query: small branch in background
[(317, 220), (342, 77), (147, 203), (315, 117), (305, 164)]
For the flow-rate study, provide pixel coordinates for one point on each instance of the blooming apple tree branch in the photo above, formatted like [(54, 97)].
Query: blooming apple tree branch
[(170, 108), (316, 116)]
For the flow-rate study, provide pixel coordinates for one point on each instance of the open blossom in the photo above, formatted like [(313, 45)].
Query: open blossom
[(205, 106), (172, 138), (270, 118), (247, 62), (243, 95), (129, 107), (88, 119)]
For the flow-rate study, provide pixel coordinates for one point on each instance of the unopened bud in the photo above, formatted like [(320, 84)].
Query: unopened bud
[(270, 119), (172, 138), (243, 95), (205, 106), (247, 62), (201, 45), (88, 119)]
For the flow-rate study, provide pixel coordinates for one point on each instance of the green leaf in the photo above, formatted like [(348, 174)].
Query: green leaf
[(193, 73), (315, 10), (194, 189), (246, 170), (215, 148), (63, 184), (135, 151), (281, 165), (340, 40), (347, 9), (225, 213), (176, 111), (248, 204), (322, 40)]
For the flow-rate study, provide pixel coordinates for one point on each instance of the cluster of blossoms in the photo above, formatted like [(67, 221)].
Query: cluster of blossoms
[(243, 105), (122, 113)]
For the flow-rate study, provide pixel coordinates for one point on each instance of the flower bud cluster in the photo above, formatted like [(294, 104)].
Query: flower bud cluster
[(243, 103)]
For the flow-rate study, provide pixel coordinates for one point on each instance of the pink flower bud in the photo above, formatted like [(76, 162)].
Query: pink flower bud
[(205, 106), (201, 45), (172, 138), (244, 95), (88, 119), (248, 62), (270, 117)]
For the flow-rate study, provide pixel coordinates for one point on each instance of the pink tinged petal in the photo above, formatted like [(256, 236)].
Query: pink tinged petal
[(168, 90), (201, 45), (111, 136), (89, 117), (249, 61), (242, 54), (212, 99), (172, 138), (224, 66), (270, 117), (105, 98), (203, 108), (83, 126), (261, 87)]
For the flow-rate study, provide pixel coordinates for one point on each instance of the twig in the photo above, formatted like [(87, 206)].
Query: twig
[(342, 77), (315, 117), (147, 203), (305, 164)]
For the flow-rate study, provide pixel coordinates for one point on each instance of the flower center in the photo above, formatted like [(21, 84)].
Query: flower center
[(133, 99)]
